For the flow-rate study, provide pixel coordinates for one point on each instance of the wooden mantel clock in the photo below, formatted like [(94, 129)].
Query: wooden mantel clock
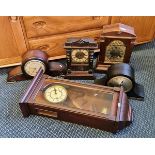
[(79, 53), (96, 106), (32, 61), (117, 41)]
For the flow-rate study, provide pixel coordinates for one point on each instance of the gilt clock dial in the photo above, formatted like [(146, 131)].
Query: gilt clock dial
[(31, 67), (55, 93), (80, 56), (121, 81), (115, 52)]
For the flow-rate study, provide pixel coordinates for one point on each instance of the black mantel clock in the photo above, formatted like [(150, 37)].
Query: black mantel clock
[(79, 53)]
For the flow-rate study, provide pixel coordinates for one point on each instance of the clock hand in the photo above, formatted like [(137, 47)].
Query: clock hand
[(55, 91)]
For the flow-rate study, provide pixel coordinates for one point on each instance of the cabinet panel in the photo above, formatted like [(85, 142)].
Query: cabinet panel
[(54, 45), (8, 46), (144, 26), (37, 26), (12, 40)]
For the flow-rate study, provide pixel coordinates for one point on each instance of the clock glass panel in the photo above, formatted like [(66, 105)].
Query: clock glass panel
[(31, 67), (80, 56), (78, 98), (115, 52)]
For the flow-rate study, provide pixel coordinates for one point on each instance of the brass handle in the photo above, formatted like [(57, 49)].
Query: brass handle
[(13, 18), (39, 24), (44, 47)]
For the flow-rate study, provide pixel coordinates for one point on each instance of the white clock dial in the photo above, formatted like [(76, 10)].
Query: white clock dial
[(31, 67), (55, 94)]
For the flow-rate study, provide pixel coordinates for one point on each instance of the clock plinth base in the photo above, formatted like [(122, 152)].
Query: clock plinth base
[(15, 75), (79, 75), (101, 68)]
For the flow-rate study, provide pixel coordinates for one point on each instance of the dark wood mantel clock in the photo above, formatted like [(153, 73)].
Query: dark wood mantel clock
[(79, 53), (117, 41), (96, 106), (32, 61)]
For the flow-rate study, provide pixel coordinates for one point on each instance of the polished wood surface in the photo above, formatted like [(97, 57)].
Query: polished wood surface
[(51, 25), (19, 34), (144, 26), (12, 41), (54, 45)]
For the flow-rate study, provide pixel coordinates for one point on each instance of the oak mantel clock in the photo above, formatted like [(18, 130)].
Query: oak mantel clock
[(117, 41), (96, 106), (79, 53)]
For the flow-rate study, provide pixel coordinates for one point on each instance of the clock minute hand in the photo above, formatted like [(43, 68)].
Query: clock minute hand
[(55, 91)]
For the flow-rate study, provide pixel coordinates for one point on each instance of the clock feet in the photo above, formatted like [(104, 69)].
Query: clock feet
[(100, 68), (15, 75), (79, 75)]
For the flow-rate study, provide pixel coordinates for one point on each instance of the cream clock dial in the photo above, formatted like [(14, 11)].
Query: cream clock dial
[(55, 94), (80, 56), (31, 67), (121, 81)]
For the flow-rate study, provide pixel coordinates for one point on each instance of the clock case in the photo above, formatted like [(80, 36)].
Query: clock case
[(110, 33), (123, 69), (52, 68), (80, 70), (33, 102)]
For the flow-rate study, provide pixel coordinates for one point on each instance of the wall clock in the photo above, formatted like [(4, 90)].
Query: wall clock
[(117, 41), (96, 106), (32, 61), (79, 53)]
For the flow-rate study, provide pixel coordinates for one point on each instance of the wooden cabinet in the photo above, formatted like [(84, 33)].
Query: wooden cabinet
[(12, 40), (53, 25), (19, 34), (144, 26)]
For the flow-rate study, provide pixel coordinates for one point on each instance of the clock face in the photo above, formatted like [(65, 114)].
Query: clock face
[(80, 56), (55, 94), (31, 67), (115, 52), (121, 81)]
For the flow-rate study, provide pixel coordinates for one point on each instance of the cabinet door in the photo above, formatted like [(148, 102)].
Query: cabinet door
[(11, 40), (144, 26), (37, 26)]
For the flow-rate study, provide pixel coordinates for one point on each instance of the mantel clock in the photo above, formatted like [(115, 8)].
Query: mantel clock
[(117, 41), (79, 53)]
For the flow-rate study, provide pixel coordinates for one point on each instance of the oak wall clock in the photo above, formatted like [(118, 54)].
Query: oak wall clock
[(117, 41), (79, 53), (96, 106)]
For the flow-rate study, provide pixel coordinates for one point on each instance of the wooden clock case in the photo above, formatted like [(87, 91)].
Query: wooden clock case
[(115, 32), (80, 70), (126, 71), (118, 117), (51, 68)]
